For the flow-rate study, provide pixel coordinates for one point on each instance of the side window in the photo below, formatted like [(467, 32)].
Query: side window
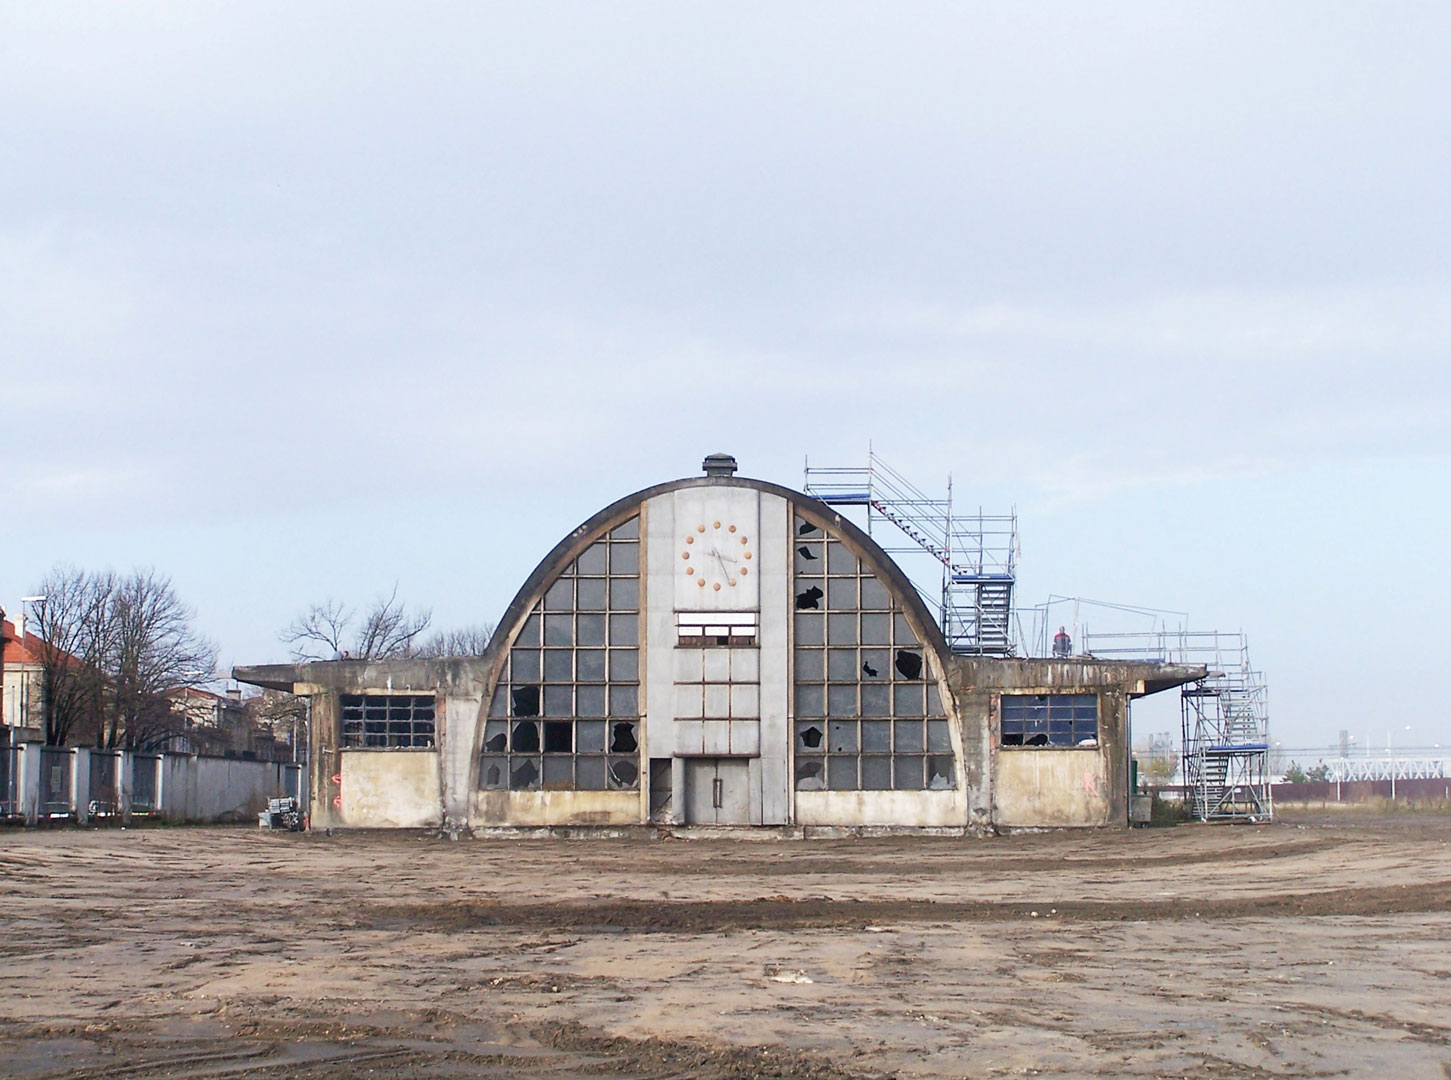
[(565, 714), (868, 714), (387, 721), (1049, 720)]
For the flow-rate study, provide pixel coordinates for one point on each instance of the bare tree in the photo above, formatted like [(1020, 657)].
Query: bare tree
[(333, 631), (73, 625), (112, 647), (467, 641), (152, 648)]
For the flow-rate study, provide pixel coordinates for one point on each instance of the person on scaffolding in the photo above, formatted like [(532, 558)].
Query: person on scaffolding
[(1062, 643)]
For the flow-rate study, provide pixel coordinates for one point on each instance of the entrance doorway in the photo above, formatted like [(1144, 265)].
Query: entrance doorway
[(717, 791)]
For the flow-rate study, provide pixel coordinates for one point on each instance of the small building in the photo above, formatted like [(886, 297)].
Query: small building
[(720, 651)]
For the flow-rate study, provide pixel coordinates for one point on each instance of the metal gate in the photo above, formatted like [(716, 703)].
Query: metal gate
[(104, 766), (55, 781), (7, 780), (144, 768)]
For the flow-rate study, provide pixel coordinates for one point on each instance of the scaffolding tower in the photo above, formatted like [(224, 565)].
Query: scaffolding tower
[(975, 552), (1224, 716)]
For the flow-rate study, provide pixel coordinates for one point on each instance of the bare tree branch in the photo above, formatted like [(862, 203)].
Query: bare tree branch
[(467, 641), (326, 631)]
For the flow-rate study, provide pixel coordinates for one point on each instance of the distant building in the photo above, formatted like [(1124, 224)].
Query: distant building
[(21, 681), (719, 651)]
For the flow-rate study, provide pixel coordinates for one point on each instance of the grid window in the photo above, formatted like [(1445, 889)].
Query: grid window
[(565, 717), (868, 713), (1049, 720), (387, 721)]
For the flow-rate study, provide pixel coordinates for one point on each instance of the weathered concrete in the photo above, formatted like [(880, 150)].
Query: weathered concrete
[(391, 789)]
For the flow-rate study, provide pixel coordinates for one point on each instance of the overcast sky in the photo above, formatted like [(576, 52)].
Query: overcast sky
[(300, 300)]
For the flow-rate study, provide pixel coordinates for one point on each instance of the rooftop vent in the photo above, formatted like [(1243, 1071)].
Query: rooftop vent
[(719, 465)]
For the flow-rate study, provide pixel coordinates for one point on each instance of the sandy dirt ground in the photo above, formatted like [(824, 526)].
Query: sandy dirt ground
[(1312, 948)]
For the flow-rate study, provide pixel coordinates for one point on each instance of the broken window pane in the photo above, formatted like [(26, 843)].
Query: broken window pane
[(590, 629), (492, 771), (808, 738), (907, 773), (559, 629), (877, 736), (558, 665), (805, 528), (526, 700), (875, 663), (876, 773), (591, 594), (496, 736), (843, 737), (841, 629), (557, 700), (623, 701), (810, 630), (624, 773), (940, 773), (810, 701), (624, 629), (808, 598), (589, 736), (589, 773), (624, 558), (622, 738), (841, 665), (523, 773), (810, 774), (558, 737), (526, 737), (624, 665), (624, 594), (589, 701), (560, 596), (908, 664), (841, 594), (841, 700), (629, 530), (808, 557), (590, 664), (593, 559), (841, 773)]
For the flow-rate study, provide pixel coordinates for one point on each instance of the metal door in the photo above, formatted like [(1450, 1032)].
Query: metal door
[(717, 791)]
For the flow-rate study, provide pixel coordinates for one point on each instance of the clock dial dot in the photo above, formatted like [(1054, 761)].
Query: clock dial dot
[(690, 569), (748, 554), (690, 539), (733, 528), (700, 582), (733, 583), (685, 554), (745, 539), (717, 524), (700, 528), (716, 586), (745, 570)]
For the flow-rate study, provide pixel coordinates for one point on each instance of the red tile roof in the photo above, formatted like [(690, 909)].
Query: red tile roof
[(18, 652)]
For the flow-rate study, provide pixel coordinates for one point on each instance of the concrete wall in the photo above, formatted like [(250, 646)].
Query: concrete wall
[(907, 809), (1051, 786), (543, 808), (391, 789)]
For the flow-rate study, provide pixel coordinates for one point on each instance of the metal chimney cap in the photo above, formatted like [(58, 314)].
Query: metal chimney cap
[(719, 465)]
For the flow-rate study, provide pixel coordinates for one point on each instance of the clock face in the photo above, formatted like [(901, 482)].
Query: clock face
[(716, 556)]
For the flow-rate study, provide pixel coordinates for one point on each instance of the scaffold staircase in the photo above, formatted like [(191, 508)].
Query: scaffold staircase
[(1224, 716), (975, 553)]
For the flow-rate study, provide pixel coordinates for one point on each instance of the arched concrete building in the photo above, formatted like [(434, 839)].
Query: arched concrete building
[(720, 651)]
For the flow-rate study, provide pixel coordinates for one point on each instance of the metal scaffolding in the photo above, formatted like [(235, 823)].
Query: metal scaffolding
[(1225, 718), (975, 552)]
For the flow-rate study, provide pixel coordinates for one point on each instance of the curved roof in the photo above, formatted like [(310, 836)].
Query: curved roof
[(813, 510)]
